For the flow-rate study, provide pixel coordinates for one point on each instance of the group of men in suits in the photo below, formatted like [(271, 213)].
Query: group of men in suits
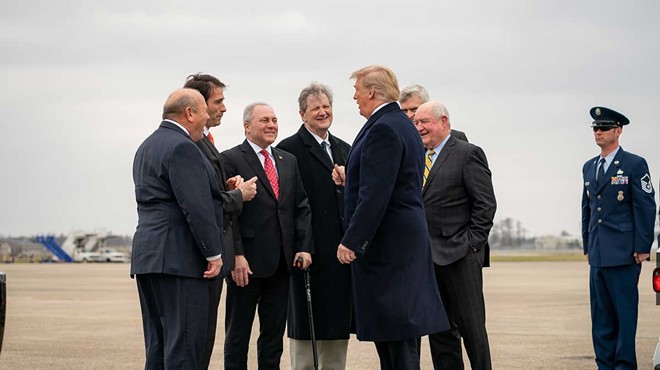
[(407, 206)]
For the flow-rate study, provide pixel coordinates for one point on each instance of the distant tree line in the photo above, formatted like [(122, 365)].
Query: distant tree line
[(509, 233)]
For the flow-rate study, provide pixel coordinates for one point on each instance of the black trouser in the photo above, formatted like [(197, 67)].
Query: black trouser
[(461, 289), (270, 295), (215, 291), (399, 355), (174, 317)]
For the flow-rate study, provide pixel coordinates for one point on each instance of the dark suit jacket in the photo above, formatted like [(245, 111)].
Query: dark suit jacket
[(460, 135), (270, 227), (179, 206), (395, 292), (618, 214), (331, 288), (459, 202), (232, 202)]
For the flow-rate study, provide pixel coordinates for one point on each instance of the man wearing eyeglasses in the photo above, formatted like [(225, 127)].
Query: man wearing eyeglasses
[(618, 216)]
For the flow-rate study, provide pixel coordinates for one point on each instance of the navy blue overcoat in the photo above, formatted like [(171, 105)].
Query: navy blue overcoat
[(395, 291)]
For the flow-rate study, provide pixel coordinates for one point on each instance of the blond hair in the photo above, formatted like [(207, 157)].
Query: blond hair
[(379, 78)]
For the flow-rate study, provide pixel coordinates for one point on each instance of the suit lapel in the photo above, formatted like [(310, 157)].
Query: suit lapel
[(338, 153), (253, 161), (591, 177), (282, 170), (210, 148), (314, 148), (374, 117), (439, 161)]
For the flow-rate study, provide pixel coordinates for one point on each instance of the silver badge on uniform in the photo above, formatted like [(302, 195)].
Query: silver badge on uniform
[(620, 196), (646, 183), (619, 172)]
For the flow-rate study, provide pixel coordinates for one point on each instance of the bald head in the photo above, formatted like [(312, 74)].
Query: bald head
[(187, 108)]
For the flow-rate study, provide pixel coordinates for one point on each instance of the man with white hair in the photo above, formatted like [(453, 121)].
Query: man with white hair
[(459, 203), (412, 96)]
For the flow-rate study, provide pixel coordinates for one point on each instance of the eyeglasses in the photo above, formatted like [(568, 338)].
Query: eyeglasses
[(602, 128)]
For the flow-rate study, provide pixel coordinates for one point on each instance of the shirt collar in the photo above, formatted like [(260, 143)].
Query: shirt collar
[(378, 108), (442, 144), (179, 125), (257, 149), (318, 138), (610, 157)]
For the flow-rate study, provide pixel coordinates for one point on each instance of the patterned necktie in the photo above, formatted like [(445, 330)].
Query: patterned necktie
[(601, 171), (210, 138), (427, 165), (324, 146), (270, 172)]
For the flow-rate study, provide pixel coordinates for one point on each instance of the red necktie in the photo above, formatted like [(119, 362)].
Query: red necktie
[(270, 172), (210, 138)]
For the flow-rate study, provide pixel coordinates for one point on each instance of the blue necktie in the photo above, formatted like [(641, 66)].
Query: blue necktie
[(601, 171)]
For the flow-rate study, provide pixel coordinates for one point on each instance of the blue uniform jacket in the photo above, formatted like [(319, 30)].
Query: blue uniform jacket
[(618, 215)]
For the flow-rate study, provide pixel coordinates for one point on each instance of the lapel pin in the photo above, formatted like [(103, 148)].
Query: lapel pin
[(616, 162)]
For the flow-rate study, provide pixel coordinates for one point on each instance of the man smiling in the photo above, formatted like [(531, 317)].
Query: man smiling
[(318, 152), (275, 231)]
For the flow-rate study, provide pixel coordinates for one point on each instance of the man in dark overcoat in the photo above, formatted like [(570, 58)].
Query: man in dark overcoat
[(386, 241), (317, 152)]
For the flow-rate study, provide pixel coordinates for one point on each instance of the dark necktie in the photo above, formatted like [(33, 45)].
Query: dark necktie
[(601, 171), (271, 173), (324, 146)]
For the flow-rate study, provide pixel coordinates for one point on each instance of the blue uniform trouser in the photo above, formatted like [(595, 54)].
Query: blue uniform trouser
[(614, 299)]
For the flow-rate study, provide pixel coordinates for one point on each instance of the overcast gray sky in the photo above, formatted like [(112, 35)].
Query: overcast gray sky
[(83, 84)]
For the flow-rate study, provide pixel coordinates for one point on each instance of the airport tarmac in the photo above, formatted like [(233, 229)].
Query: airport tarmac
[(87, 316)]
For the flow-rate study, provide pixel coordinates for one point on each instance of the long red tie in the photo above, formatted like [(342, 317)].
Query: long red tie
[(270, 172), (210, 138)]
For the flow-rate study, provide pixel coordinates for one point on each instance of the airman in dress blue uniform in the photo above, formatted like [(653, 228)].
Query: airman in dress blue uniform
[(618, 216)]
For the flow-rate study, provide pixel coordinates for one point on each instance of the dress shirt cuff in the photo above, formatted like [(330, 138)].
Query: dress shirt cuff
[(213, 258)]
